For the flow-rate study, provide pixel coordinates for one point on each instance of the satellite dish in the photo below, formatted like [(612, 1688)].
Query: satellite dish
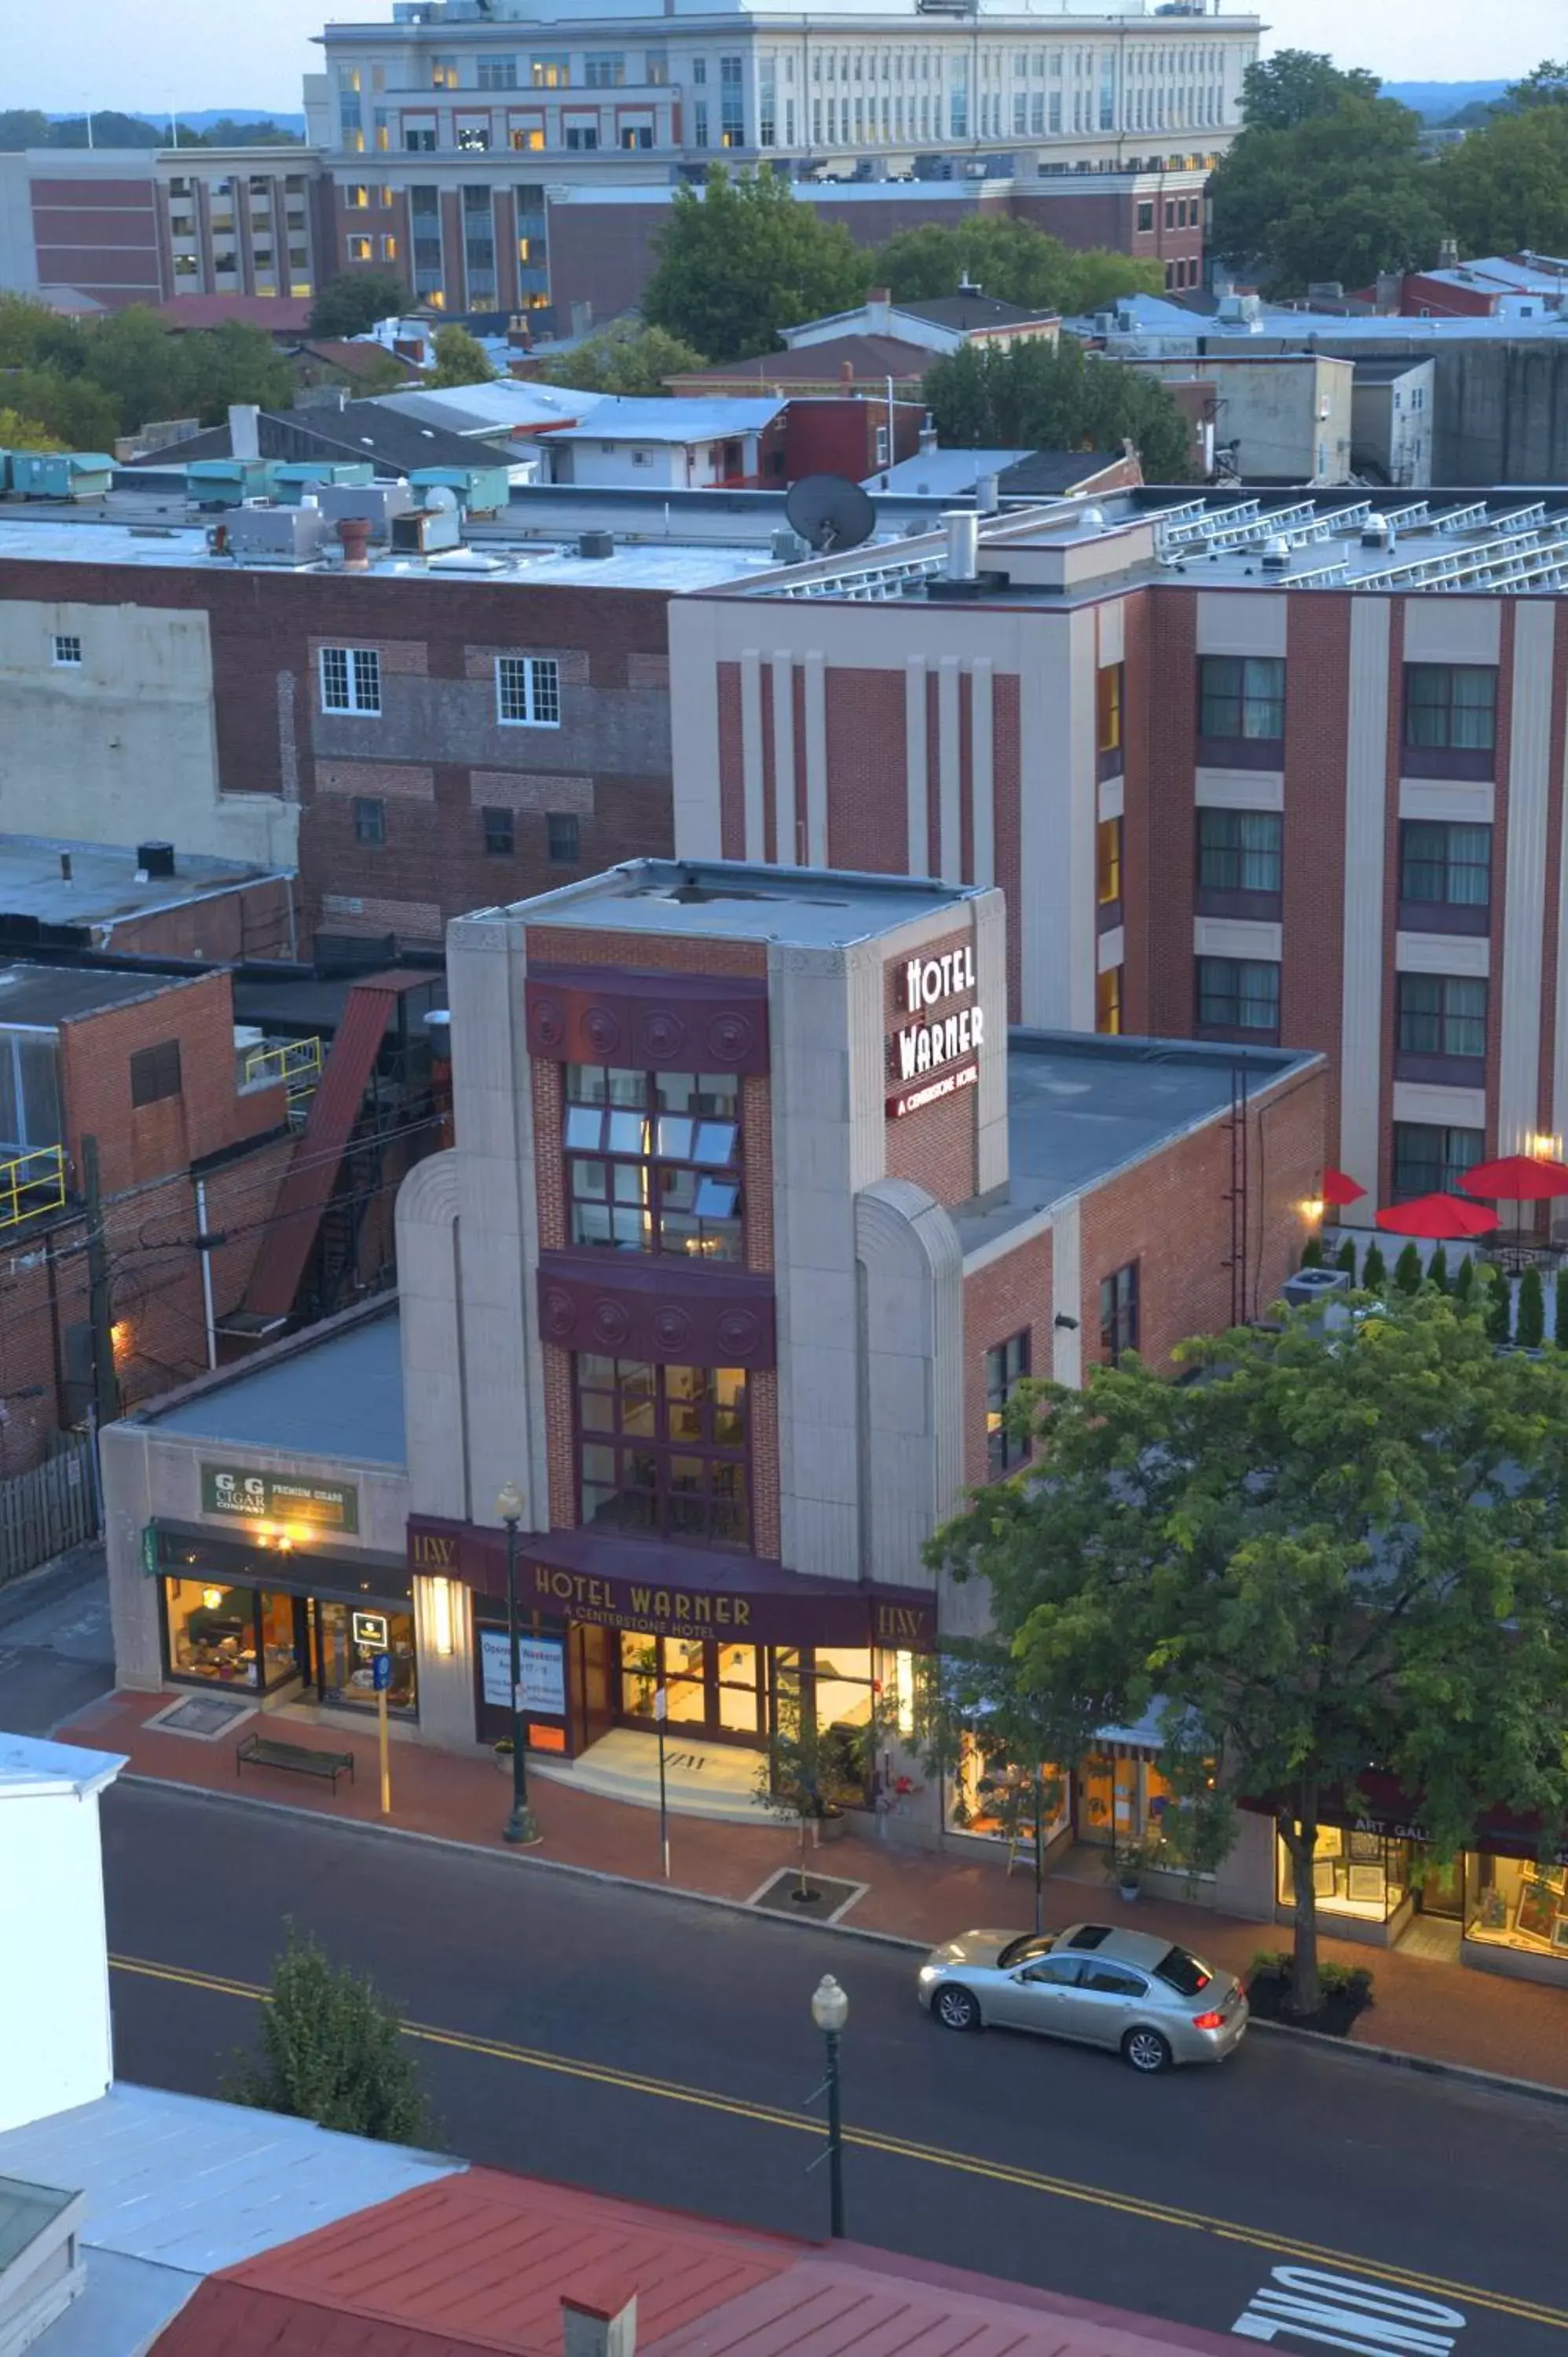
[(830, 512), (441, 497)]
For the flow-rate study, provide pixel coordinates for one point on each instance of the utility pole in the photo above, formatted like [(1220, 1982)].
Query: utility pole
[(105, 1382)]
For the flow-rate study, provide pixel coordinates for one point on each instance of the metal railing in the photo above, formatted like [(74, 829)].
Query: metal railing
[(296, 1062), (31, 1183)]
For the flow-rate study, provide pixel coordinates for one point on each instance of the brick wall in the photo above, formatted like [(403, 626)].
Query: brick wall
[(1171, 1214), (251, 921), (1010, 1297), (867, 797)]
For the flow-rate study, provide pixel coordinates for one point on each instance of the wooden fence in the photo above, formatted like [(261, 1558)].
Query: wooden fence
[(43, 1513)]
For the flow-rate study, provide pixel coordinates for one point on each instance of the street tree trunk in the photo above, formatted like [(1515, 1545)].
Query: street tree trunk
[(1299, 1834)]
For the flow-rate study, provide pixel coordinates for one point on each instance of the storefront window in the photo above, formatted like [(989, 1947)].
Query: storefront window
[(347, 1638), (211, 1631), (1514, 1903), (992, 1796), (1365, 1876)]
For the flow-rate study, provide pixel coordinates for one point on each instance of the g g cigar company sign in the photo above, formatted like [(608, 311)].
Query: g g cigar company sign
[(937, 1054)]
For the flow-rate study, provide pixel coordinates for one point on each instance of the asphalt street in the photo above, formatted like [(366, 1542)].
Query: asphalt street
[(55, 1652), (648, 2047)]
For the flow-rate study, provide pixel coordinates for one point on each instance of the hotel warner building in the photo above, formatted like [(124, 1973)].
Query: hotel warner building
[(756, 1217), (1247, 769)]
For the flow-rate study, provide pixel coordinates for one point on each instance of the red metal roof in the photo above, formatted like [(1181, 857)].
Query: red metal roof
[(477, 2263)]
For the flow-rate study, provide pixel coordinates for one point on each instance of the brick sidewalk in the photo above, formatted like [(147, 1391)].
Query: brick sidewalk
[(1436, 2010)]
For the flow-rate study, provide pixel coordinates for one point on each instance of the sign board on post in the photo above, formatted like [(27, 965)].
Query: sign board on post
[(542, 1662), (279, 1497)]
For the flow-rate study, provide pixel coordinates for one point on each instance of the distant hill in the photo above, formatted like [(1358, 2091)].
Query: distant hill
[(1439, 102), (205, 120)]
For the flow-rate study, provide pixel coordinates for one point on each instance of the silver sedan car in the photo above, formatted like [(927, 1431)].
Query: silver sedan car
[(1155, 2004)]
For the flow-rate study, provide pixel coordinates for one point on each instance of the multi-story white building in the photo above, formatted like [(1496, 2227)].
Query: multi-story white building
[(429, 122)]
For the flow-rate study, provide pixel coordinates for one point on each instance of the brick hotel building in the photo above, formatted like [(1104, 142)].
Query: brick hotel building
[(1288, 768), (755, 1219)]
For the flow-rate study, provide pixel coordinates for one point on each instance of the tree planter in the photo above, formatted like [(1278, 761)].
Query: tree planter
[(1346, 1992), (1128, 1891), (831, 1826)]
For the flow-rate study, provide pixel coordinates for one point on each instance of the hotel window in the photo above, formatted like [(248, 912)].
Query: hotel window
[(1119, 1312), (1445, 875), (1451, 708), (1108, 865), (653, 1161), (766, 103), (388, 249), (580, 133), (731, 103), (562, 838), (1006, 1366), (350, 679), (634, 131), (550, 73), (526, 131), (1240, 850), (442, 73), (424, 227), (67, 653), (1241, 697), (1108, 1001), (369, 820), (1431, 1160), (700, 123), (606, 71), (500, 833), (528, 691), (359, 248), (1443, 1016), (479, 245), (419, 133), (1238, 997), (663, 1450), (498, 73), (155, 1073), (358, 199)]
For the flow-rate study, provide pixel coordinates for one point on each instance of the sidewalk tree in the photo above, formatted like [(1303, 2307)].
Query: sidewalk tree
[(1384, 1585), (809, 1772), (743, 258), (350, 303), (1032, 398), (332, 2051)]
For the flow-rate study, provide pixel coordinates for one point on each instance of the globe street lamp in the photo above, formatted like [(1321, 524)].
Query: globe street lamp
[(830, 2011), (522, 1825)]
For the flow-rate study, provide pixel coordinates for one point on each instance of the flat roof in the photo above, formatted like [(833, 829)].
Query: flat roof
[(339, 1398), (103, 884), (1081, 1107), (44, 995), (736, 900)]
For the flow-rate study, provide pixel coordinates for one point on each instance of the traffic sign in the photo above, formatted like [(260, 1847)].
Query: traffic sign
[(380, 1670)]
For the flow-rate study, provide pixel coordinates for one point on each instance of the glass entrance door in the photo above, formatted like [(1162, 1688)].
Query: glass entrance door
[(711, 1690)]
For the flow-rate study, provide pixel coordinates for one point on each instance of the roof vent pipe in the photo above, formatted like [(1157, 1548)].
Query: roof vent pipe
[(963, 543), (354, 532)]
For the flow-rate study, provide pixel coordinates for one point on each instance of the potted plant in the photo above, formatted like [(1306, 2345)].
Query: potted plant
[(1126, 1866), (502, 1748)]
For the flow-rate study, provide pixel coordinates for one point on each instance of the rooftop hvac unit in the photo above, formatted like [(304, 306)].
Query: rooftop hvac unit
[(1312, 1285), (269, 535), (596, 544), (789, 548), (374, 503)]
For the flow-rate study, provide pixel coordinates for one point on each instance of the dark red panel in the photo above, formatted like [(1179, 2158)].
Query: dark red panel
[(651, 1022), (664, 1310)]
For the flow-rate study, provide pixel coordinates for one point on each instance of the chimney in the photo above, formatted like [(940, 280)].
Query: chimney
[(879, 310), (598, 2326), (963, 543), (846, 376), (64, 868), (244, 429), (354, 532)]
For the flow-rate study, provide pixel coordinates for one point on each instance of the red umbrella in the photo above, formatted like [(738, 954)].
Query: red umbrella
[(1517, 1178), (1338, 1190), (1443, 1217)]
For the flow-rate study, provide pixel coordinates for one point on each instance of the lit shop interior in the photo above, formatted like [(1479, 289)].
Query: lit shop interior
[(1116, 1799), (264, 1616), (1500, 1912)]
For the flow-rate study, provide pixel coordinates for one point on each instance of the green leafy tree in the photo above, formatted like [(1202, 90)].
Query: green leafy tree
[(975, 1695), (19, 433), (1387, 1585), (1545, 85), (744, 258), (1505, 189), (227, 133), (110, 129), (135, 358), (350, 303), (1437, 1271), (1407, 1271), (1530, 1331), (1012, 259), (625, 357), (460, 359), (1340, 195), (332, 2051), (23, 126), (1374, 1270), (1498, 1305), (809, 1771), (32, 336), (1294, 85), (1560, 1310), (227, 363), (79, 415), (1034, 398), (1345, 1257)]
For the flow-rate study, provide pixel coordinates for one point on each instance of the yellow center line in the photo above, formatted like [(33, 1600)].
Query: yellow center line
[(1031, 2180)]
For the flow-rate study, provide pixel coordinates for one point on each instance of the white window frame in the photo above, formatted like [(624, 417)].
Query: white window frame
[(350, 679), (528, 691), (66, 651)]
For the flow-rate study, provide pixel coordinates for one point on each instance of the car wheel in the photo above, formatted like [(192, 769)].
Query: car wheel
[(1146, 2050), (957, 2009)]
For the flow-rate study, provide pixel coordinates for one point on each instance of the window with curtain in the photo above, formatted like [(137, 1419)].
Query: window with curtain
[(1441, 1015), (1442, 862), (1241, 696), (1108, 862), (1006, 1366), (1451, 705), (1238, 994), (1431, 1160), (1240, 850), (30, 1089)]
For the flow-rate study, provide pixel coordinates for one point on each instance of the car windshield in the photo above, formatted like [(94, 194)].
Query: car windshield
[(1183, 1973), (1025, 1950)]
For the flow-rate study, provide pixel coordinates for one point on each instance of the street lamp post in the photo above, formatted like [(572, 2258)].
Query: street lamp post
[(522, 1825), (830, 2011)]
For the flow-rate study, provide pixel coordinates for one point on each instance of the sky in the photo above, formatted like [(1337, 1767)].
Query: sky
[(252, 53)]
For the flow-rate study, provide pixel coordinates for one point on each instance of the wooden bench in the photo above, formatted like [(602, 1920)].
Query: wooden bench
[(298, 1759)]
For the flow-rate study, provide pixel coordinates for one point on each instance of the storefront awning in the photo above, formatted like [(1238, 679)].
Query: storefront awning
[(1379, 1804), (662, 1589)]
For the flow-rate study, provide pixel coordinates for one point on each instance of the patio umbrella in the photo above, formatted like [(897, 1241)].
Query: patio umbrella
[(1442, 1217), (1517, 1178), (1338, 1190)]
